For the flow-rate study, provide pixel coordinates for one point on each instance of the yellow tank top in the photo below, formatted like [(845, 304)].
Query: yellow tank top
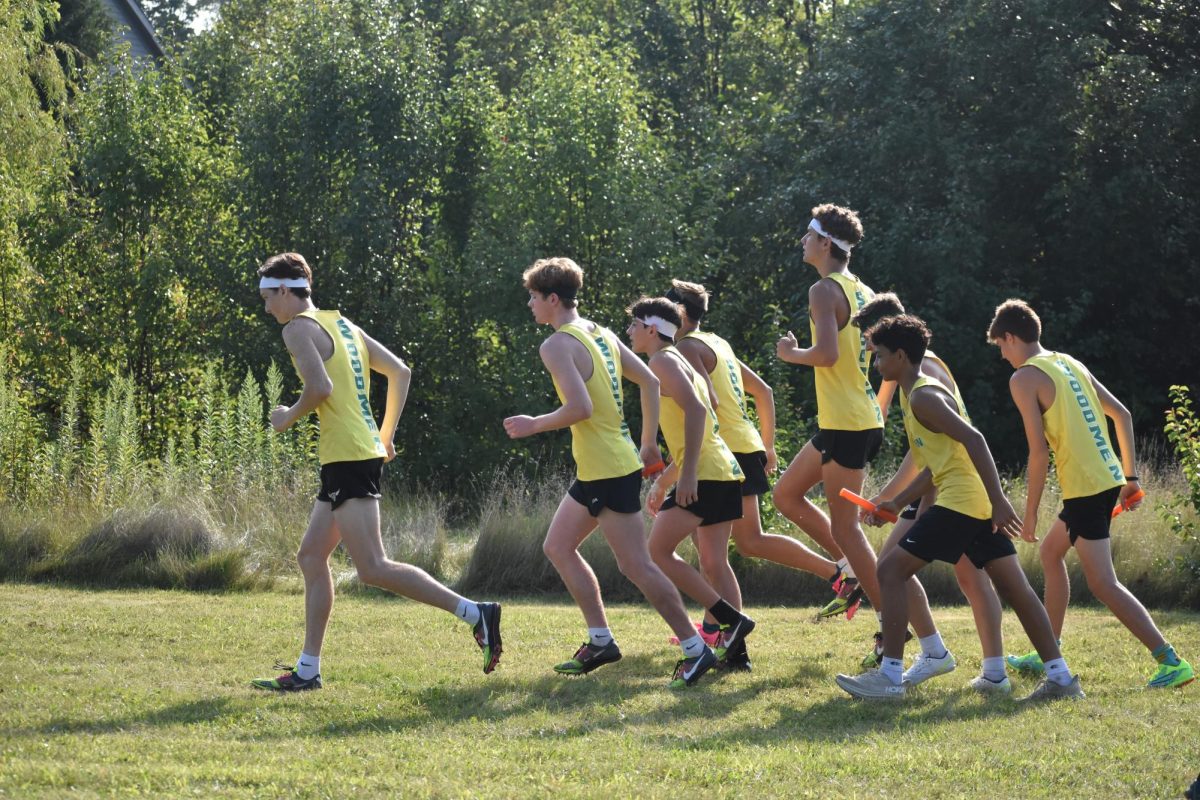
[(962, 407), (735, 426), (348, 430), (1077, 429), (845, 399), (601, 444), (958, 483), (716, 460)]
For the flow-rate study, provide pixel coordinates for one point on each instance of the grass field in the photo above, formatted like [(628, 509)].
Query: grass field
[(144, 693)]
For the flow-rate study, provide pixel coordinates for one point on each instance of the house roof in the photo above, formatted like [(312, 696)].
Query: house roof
[(134, 27)]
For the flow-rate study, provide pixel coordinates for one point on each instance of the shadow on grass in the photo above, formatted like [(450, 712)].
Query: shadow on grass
[(192, 712)]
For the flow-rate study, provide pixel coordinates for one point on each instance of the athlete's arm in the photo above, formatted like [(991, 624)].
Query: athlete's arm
[(887, 390), (694, 351), (1116, 410), (300, 338), (823, 297), (658, 490), (764, 405), (906, 473), (676, 385), (918, 487), (936, 411), (577, 405), (1023, 385), (399, 378), (636, 370)]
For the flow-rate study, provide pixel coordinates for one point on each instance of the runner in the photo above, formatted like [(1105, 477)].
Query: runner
[(972, 516), (729, 381), (334, 359), (586, 363), (850, 425), (1064, 409)]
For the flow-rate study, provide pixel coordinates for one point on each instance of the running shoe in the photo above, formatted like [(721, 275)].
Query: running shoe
[(874, 659), (985, 685), (835, 582), (1167, 677), (1030, 663), (289, 681), (847, 601), (487, 635), (736, 660), (734, 635), (688, 670), (588, 657), (1049, 690), (925, 667), (872, 685), (710, 639)]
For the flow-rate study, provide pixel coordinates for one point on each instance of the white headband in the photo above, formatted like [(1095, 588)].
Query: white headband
[(275, 283), (842, 243), (664, 327)]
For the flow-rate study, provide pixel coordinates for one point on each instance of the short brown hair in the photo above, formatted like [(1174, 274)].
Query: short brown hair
[(288, 265), (560, 276), (656, 307), (884, 304), (692, 296), (842, 223), (1018, 318)]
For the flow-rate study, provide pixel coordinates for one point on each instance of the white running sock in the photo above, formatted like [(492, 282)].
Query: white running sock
[(993, 669), (308, 667), (467, 611), (933, 646), (601, 637), (893, 668), (1057, 671), (692, 647), (847, 570)]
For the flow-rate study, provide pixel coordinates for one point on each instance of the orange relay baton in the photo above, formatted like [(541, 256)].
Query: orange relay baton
[(1123, 507), (863, 502)]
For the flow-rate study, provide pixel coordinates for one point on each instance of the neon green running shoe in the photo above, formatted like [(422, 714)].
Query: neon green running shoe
[(1168, 677), (849, 597), (1030, 663)]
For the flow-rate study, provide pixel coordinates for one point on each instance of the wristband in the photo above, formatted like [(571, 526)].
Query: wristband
[(1130, 478)]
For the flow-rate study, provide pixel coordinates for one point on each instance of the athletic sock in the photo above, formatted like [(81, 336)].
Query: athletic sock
[(308, 667), (467, 611), (711, 627), (1165, 654), (692, 647), (993, 669), (724, 613), (933, 646), (1057, 671), (847, 570), (893, 668), (601, 637)]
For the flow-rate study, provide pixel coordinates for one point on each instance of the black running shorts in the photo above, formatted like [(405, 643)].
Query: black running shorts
[(1090, 517), (850, 449), (941, 534), (622, 495), (910, 510), (350, 480), (716, 502), (754, 467)]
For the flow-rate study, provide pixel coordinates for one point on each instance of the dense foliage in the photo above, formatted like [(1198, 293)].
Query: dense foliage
[(421, 153)]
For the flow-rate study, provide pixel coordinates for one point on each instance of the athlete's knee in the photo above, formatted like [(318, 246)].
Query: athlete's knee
[(311, 559), (637, 570), (786, 502), (374, 571), (557, 550), (712, 561)]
